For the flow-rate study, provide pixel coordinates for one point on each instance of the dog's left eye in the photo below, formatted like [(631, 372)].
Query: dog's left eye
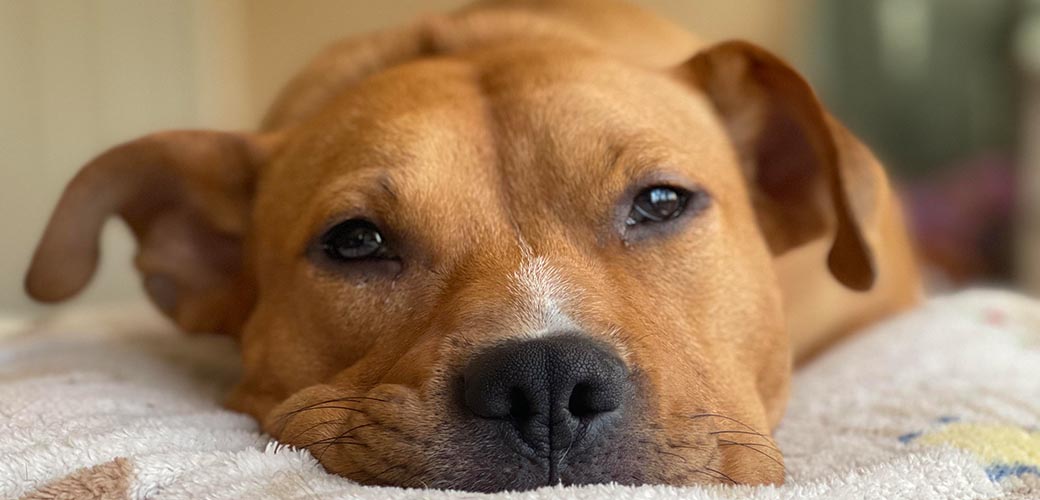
[(352, 240), (658, 204)]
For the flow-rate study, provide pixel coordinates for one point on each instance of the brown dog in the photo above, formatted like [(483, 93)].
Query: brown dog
[(527, 243)]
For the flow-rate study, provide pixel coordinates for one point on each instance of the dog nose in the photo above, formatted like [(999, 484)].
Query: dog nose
[(550, 393)]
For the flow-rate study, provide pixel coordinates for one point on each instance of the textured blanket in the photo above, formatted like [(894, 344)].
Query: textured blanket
[(941, 403)]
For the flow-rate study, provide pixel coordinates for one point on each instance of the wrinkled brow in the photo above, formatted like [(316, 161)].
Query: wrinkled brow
[(387, 186)]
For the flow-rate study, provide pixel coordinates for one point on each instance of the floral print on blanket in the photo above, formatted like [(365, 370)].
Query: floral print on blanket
[(1006, 450), (1025, 324)]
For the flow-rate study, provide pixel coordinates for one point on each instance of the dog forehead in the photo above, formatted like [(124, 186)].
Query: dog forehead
[(594, 93), (574, 102), (406, 129), (401, 114), (462, 132)]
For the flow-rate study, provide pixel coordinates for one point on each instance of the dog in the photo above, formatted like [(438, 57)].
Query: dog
[(526, 243)]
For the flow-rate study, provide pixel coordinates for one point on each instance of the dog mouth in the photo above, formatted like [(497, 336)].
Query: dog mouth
[(556, 411)]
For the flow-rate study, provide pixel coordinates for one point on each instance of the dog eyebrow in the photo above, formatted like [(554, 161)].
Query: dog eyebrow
[(386, 184), (613, 159), (632, 155)]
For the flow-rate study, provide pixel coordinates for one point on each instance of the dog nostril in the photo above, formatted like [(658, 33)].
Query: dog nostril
[(581, 404), (519, 406), (588, 400)]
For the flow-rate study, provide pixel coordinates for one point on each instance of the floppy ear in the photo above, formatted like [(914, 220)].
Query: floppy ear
[(186, 196), (809, 176)]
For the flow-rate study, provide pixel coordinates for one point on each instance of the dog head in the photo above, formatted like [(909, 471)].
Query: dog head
[(499, 270)]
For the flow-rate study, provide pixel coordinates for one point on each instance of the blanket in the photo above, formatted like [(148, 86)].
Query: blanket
[(941, 403)]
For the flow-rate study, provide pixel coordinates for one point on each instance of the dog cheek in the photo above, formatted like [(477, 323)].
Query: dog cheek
[(774, 379)]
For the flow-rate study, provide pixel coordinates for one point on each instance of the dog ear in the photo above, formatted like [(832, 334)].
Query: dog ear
[(186, 196), (809, 176)]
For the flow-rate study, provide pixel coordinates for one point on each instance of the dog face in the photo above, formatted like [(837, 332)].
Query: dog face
[(521, 267)]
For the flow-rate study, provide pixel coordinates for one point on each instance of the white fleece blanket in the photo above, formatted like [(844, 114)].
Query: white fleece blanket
[(943, 403)]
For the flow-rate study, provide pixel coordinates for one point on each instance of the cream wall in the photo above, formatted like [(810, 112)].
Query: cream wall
[(77, 76)]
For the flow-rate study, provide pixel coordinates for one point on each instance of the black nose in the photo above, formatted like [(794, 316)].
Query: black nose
[(552, 393)]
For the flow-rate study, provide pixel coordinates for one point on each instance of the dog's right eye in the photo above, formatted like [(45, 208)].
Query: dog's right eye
[(354, 239)]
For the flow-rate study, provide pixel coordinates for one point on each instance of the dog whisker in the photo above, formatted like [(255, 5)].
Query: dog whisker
[(341, 439), (578, 436), (752, 433), (315, 426), (368, 398), (320, 405), (754, 445), (730, 479), (332, 440), (330, 407), (685, 447), (751, 447), (348, 432), (336, 442), (348, 399), (285, 422), (768, 445), (725, 417), (706, 473), (676, 455)]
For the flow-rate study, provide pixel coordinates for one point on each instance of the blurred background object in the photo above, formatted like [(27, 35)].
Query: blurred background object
[(933, 87), (947, 92)]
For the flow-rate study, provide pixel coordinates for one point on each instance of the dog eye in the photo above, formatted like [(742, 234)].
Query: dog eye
[(353, 239), (658, 204)]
